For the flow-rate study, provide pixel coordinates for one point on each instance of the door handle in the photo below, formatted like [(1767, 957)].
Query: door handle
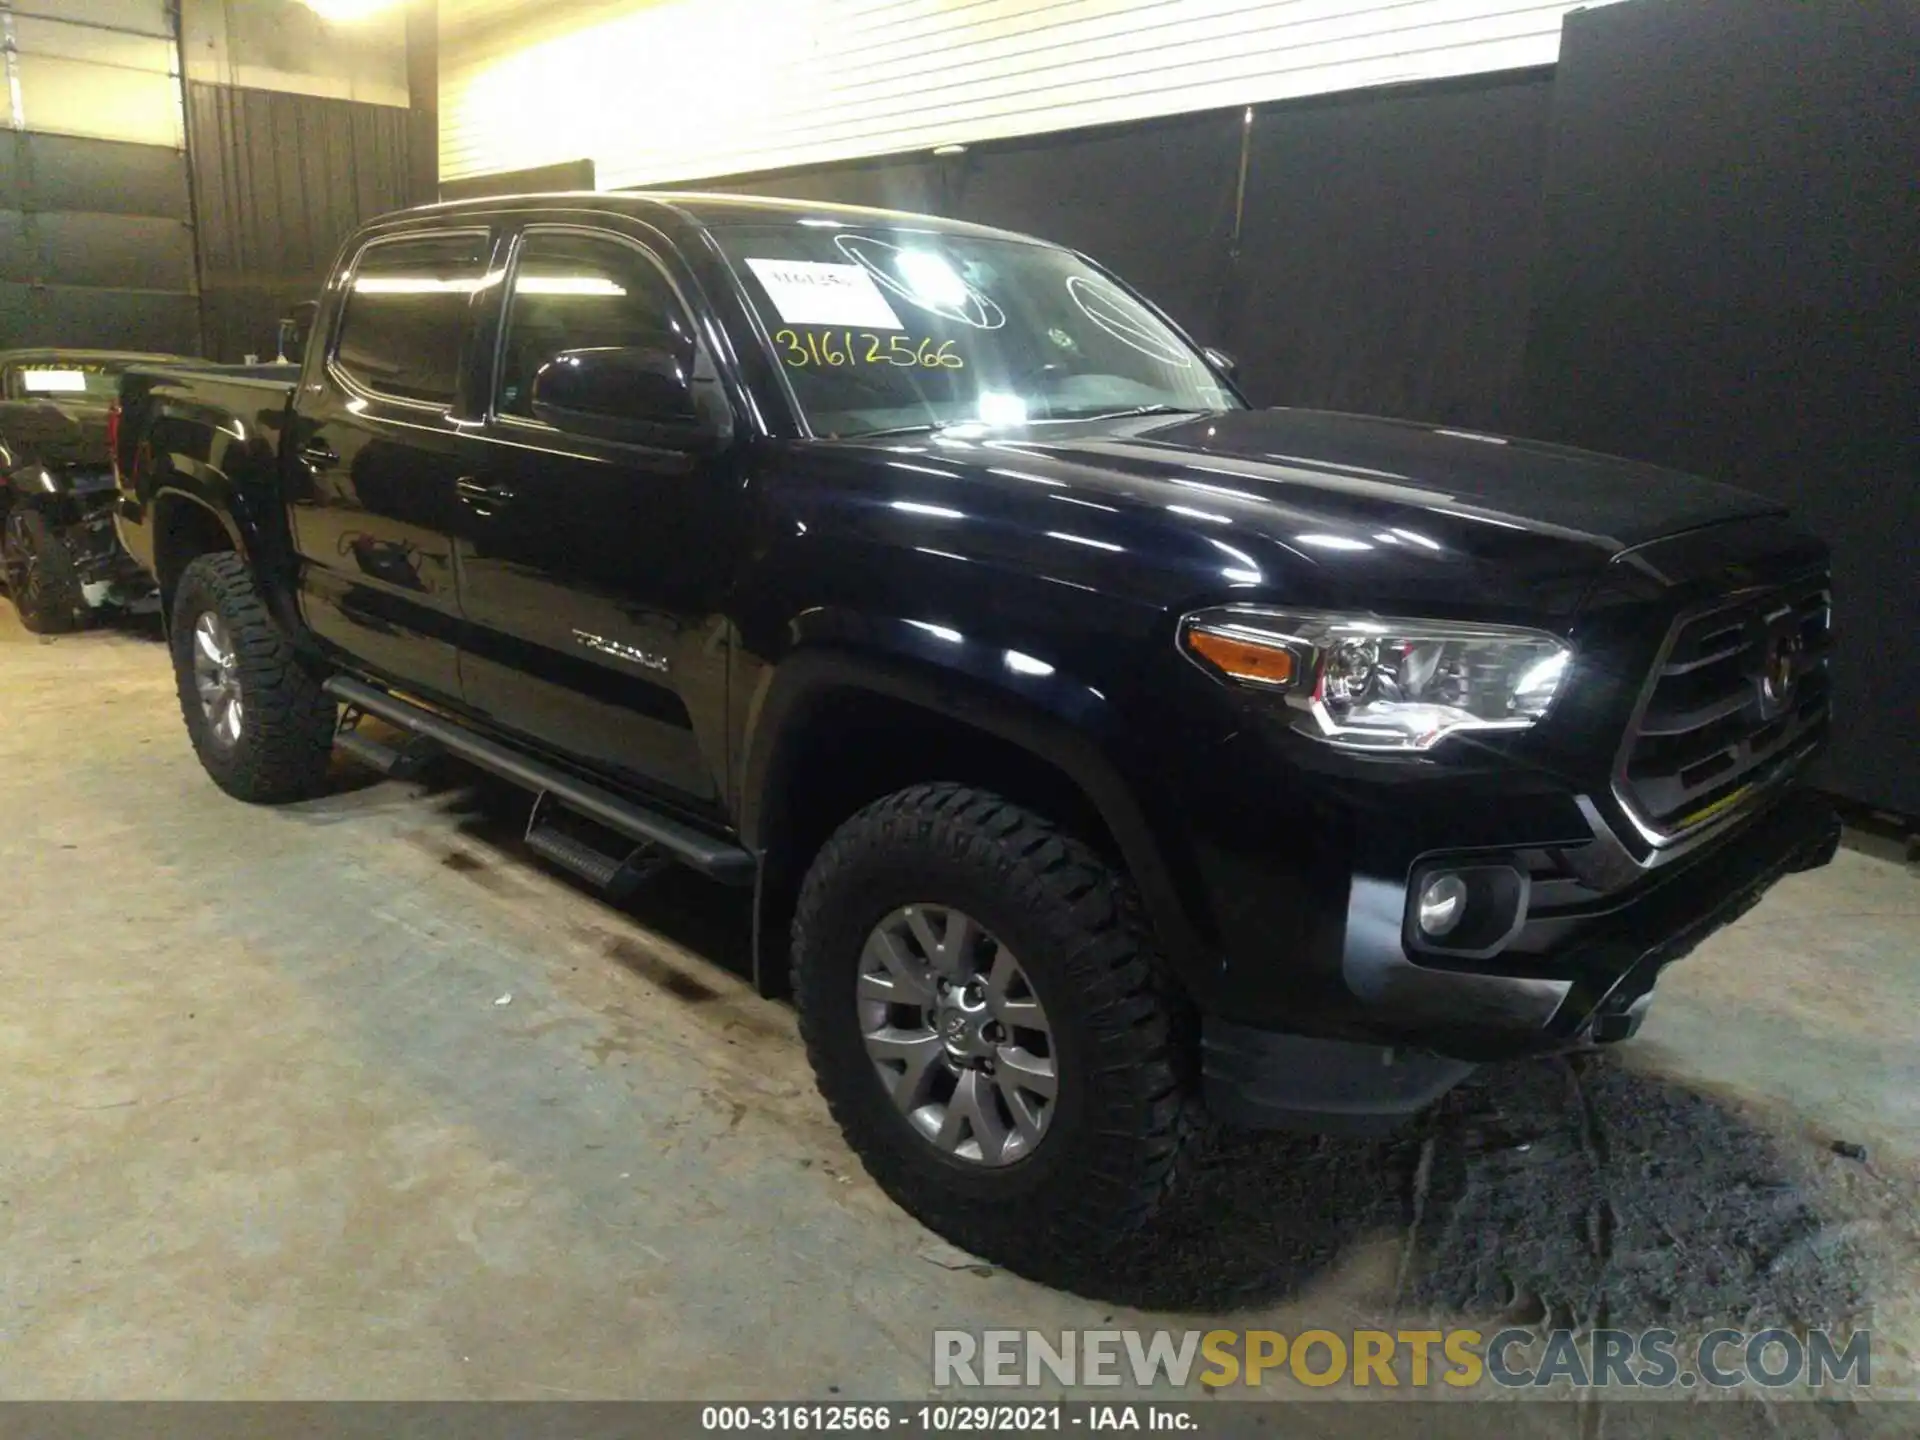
[(319, 454), (483, 497)]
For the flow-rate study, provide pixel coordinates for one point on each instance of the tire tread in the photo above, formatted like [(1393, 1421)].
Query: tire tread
[(1147, 1116), (63, 602), (285, 750)]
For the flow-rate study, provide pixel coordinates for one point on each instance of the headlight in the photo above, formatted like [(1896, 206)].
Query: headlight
[(1382, 684)]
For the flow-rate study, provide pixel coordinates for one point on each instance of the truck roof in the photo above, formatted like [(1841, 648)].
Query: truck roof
[(712, 208)]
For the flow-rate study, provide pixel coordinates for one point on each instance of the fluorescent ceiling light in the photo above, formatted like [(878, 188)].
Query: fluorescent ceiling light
[(933, 280), (999, 409), (567, 285), (1073, 539), (408, 285)]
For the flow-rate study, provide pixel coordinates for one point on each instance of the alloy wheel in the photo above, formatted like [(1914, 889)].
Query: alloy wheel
[(216, 677), (957, 1036)]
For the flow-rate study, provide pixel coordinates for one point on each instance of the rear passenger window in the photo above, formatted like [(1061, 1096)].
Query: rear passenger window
[(584, 292), (407, 312)]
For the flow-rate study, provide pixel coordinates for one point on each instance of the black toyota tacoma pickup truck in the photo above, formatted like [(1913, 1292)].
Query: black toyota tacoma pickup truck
[(1101, 752)]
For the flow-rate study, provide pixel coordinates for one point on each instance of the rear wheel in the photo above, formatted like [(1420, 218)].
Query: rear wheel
[(985, 1020), (259, 721), (40, 575)]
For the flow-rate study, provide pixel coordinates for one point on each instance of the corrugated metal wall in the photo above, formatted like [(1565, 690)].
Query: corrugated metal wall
[(279, 181), (1382, 260), (1731, 283), (96, 247), (674, 89)]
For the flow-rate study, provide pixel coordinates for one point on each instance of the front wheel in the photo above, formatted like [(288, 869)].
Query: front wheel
[(985, 1021), (40, 575), (259, 721)]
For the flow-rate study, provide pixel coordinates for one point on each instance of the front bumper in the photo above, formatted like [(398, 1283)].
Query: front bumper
[(1579, 972)]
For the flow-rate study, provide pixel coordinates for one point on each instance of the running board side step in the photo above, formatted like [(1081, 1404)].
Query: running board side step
[(404, 762), (616, 872), (717, 859)]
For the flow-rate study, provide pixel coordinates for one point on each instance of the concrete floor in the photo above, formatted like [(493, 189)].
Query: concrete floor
[(352, 1099)]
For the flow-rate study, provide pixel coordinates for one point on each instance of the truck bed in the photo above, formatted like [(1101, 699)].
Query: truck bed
[(276, 376), (233, 412)]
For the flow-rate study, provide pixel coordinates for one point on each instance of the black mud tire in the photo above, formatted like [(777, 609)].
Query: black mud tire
[(40, 574), (1127, 1112), (285, 743)]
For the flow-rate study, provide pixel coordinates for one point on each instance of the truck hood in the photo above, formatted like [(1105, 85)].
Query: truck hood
[(1318, 507), (54, 433), (1356, 465)]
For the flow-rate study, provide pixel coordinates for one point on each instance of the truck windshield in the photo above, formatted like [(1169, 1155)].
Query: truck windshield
[(881, 330)]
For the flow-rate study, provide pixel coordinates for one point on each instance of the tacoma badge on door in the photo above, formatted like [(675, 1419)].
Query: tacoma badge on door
[(632, 656)]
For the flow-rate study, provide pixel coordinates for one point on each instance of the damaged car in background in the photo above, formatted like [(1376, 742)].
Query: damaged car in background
[(59, 557)]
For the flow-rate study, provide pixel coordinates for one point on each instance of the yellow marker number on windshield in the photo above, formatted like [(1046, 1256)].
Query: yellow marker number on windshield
[(827, 349)]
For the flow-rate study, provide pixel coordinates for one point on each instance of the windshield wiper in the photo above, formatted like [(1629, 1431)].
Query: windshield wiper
[(1139, 410), (944, 425), (925, 429)]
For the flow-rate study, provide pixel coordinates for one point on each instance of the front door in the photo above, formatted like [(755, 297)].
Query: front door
[(372, 488), (593, 572)]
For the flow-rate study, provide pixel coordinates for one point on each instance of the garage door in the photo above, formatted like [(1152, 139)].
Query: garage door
[(95, 247)]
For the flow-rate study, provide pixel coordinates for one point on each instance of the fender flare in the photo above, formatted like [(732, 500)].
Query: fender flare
[(1167, 889), (165, 479), (166, 496), (145, 544)]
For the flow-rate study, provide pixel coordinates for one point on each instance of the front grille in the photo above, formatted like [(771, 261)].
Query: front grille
[(1712, 727)]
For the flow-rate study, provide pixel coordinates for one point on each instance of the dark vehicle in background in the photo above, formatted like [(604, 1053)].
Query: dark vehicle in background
[(1099, 751), (59, 557)]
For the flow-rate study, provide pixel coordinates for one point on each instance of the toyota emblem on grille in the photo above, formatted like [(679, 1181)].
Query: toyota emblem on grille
[(1780, 671)]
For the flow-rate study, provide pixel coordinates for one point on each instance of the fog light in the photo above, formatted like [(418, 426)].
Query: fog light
[(1442, 904)]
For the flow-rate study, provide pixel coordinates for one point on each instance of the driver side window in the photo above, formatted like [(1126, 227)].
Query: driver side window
[(584, 292)]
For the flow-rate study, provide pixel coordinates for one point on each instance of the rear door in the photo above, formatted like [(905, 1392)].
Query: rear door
[(377, 452), (594, 572)]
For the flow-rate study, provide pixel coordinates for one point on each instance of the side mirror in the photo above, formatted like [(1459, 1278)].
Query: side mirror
[(291, 343), (633, 393), (1224, 364)]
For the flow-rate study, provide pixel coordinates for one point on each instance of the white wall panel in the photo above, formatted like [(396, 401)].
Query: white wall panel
[(145, 16), (131, 50), (104, 102), (104, 69), (676, 89)]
